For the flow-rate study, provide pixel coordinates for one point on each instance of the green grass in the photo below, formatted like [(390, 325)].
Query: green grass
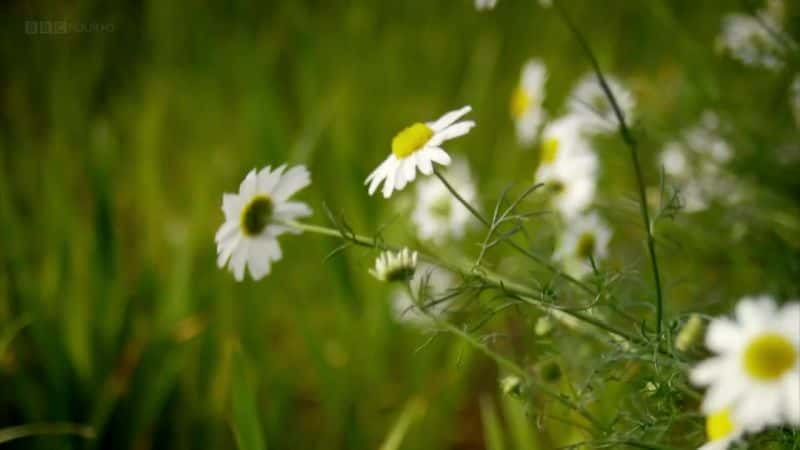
[(115, 149)]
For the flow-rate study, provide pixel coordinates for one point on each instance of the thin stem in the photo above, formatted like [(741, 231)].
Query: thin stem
[(629, 140), (496, 281), (513, 244)]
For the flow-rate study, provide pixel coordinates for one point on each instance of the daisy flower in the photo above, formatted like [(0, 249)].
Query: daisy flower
[(482, 5), (418, 147), (756, 368), (430, 283), (721, 431), (438, 215), (256, 216), (585, 237), (748, 39), (589, 102), (696, 161), (395, 266), (568, 166), (526, 101)]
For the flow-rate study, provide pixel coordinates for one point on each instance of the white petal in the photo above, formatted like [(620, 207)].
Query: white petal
[(424, 162), (791, 398), (400, 180), (755, 313), (388, 185), (267, 178), (410, 167), (231, 206), (451, 132), (225, 250), (228, 229), (722, 394), (723, 335), (378, 175), (292, 210), (292, 181), (259, 262), (438, 155), (248, 186), (448, 119), (708, 371), (238, 261), (757, 409)]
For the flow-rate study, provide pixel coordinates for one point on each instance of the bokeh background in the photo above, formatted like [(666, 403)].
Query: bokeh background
[(116, 145)]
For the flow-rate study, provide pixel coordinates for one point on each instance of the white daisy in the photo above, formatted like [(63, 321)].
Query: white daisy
[(395, 266), (696, 162), (438, 215), (568, 166), (526, 101), (482, 5), (589, 102), (748, 39), (256, 216), (756, 370), (585, 237), (721, 431), (431, 284), (418, 147)]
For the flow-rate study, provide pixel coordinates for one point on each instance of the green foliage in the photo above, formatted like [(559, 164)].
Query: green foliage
[(116, 147)]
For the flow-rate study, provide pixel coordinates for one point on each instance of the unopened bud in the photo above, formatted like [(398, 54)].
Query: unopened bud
[(690, 334), (511, 385)]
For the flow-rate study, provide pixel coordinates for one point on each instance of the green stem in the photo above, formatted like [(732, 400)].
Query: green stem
[(496, 281), (629, 140), (40, 429)]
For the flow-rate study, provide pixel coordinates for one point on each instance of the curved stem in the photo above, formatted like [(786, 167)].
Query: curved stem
[(629, 140)]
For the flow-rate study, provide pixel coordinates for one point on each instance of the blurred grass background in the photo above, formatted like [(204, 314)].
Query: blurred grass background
[(115, 149)]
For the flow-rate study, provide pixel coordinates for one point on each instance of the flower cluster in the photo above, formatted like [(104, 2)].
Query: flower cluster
[(750, 40)]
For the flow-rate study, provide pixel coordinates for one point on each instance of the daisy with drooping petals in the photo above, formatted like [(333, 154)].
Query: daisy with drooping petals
[(438, 215), (721, 431), (756, 370), (418, 147), (586, 237), (526, 101), (256, 216), (568, 166), (590, 102), (482, 5), (395, 266)]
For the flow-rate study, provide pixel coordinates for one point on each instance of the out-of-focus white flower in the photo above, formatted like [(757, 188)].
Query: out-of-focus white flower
[(256, 216), (526, 101), (721, 431), (418, 147), (568, 166), (794, 99), (756, 367), (585, 237), (750, 40), (482, 5), (438, 215), (697, 162), (431, 283), (589, 102), (395, 266)]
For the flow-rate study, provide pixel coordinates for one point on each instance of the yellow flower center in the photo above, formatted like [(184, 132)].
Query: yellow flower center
[(719, 424), (521, 101), (586, 245), (549, 150), (411, 139), (769, 356), (256, 215)]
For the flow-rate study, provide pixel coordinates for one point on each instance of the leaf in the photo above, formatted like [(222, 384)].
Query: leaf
[(39, 429), (492, 429), (246, 424), (414, 410)]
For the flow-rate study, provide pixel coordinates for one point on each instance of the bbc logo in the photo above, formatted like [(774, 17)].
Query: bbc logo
[(64, 27)]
